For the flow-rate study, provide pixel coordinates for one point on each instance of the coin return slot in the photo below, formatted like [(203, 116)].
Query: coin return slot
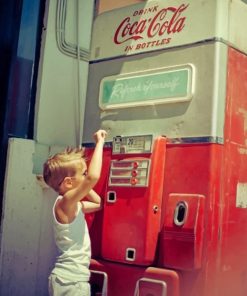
[(130, 254), (180, 213), (111, 196)]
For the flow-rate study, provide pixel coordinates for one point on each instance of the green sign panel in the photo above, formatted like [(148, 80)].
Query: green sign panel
[(146, 88)]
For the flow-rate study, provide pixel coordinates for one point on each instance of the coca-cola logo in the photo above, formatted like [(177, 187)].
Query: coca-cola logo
[(154, 23)]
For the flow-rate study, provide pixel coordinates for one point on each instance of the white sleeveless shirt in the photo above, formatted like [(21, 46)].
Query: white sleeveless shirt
[(73, 243)]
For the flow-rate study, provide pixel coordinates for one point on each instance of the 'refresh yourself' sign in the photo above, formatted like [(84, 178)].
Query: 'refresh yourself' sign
[(157, 87)]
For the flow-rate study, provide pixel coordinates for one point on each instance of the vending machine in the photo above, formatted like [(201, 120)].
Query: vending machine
[(167, 81), (133, 195)]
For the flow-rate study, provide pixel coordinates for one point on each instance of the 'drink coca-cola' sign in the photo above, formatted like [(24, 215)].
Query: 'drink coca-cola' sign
[(150, 27), (158, 24)]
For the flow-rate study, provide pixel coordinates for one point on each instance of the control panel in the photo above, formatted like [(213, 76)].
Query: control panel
[(132, 145), (129, 172)]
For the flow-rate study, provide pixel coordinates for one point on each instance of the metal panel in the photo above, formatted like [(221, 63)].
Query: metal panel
[(233, 261), (202, 116), (132, 213), (155, 25), (182, 238), (122, 279)]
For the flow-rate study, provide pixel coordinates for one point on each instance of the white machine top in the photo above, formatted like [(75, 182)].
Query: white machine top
[(159, 24)]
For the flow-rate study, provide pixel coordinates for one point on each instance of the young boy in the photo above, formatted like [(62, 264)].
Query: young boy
[(68, 175)]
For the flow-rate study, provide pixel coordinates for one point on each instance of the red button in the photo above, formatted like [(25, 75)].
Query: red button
[(134, 181), (135, 165), (134, 173)]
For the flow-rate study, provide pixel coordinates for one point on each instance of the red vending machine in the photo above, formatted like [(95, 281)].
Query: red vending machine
[(132, 211), (175, 206)]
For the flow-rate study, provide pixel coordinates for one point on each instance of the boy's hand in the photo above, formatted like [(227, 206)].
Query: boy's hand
[(100, 136)]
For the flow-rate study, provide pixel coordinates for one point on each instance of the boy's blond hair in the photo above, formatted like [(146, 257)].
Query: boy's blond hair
[(61, 165)]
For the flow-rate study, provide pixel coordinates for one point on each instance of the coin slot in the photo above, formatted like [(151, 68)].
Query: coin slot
[(130, 254), (111, 196), (180, 213)]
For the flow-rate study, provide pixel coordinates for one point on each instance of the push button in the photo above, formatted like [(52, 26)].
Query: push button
[(135, 165), (134, 173), (134, 181)]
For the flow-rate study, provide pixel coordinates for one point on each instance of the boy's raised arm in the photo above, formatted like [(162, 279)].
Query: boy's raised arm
[(94, 171)]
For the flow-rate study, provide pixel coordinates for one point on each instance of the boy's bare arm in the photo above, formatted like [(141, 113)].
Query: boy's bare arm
[(93, 204), (94, 170)]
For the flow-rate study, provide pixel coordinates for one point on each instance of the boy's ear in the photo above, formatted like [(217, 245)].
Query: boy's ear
[(67, 182)]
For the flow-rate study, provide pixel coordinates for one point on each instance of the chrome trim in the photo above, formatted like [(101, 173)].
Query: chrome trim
[(196, 140), (105, 281), (151, 281), (187, 140), (199, 42)]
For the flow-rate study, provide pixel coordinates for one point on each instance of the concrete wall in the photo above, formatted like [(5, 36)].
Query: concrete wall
[(27, 246)]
